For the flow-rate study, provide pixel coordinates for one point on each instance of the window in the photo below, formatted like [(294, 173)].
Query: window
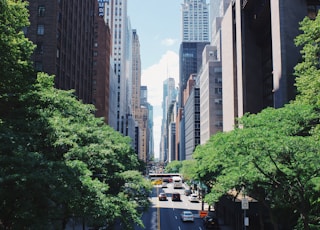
[(41, 11), (38, 66), (218, 101), (218, 80), (40, 30), (218, 91), (39, 49)]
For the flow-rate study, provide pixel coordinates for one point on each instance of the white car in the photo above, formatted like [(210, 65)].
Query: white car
[(193, 198), (187, 216)]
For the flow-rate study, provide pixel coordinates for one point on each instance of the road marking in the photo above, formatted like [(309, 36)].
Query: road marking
[(179, 228)]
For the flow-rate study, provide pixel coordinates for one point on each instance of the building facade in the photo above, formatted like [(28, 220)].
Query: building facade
[(210, 81), (259, 54), (195, 21), (101, 66), (115, 15), (63, 32), (191, 117), (168, 98)]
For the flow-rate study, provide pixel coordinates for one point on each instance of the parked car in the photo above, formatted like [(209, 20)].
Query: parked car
[(162, 196), (176, 196), (187, 216), (211, 222), (187, 192), (193, 198)]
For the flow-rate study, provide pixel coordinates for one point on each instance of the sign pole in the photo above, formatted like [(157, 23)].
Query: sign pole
[(245, 207)]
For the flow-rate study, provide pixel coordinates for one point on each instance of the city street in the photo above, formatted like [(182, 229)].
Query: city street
[(166, 214)]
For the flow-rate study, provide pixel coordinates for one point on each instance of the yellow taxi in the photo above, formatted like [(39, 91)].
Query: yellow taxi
[(156, 182)]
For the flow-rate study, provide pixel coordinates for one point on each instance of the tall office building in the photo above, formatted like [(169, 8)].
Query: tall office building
[(168, 98), (144, 103), (217, 10), (195, 36), (210, 81), (210, 77), (138, 98), (74, 44), (115, 15), (191, 117), (101, 66), (259, 54), (190, 61), (63, 32), (195, 21)]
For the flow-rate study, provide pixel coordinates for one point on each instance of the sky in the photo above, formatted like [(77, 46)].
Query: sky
[(158, 25)]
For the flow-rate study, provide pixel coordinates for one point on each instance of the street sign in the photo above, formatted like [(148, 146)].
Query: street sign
[(246, 221), (245, 204)]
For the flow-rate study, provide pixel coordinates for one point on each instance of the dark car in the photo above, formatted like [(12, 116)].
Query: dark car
[(210, 222), (162, 196), (165, 180), (187, 192), (176, 196)]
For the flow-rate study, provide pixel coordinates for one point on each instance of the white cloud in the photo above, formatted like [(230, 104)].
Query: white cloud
[(153, 77), (168, 41)]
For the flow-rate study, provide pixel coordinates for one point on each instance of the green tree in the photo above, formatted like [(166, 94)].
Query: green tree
[(173, 167), (57, 161), (62, 159), (274, 157), (16, 71), (189, 169), (308, 71)]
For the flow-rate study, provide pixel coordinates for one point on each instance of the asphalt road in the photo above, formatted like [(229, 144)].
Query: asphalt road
[(165, 215)]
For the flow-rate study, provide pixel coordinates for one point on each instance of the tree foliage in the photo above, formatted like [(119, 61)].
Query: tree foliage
[(15, 51), (173, 167), (308, 71), (67, 161), (57, 161)]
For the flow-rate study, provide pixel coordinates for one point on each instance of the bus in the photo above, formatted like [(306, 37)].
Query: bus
[(177, 182), (165, 177)]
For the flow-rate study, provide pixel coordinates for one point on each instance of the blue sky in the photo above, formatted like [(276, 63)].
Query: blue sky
[(158, 24)]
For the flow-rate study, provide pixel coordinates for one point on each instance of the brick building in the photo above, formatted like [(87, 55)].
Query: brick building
[(73, 43)]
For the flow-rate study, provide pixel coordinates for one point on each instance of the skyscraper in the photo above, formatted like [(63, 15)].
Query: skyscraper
[(169, 98), (195, 21), (63, 32), (195, 36), (139, 110), (115, 15), (259, 54)]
